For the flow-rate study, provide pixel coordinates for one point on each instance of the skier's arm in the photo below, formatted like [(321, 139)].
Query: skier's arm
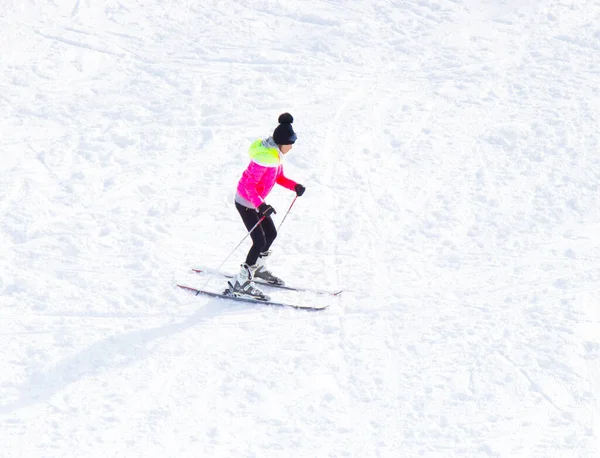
[(286, 182), (249, 182)]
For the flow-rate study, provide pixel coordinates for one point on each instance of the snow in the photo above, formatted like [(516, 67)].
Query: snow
[(450, 154)]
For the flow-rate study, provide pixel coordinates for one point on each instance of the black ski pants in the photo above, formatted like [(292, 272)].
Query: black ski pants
[(262, 236)]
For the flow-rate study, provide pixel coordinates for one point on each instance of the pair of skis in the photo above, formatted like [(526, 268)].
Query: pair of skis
[(197, 291)]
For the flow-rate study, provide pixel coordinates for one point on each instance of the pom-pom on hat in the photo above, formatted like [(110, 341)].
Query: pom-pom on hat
[(284, 133)]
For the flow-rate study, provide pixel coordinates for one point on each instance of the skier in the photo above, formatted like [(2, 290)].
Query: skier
[(257, 181)]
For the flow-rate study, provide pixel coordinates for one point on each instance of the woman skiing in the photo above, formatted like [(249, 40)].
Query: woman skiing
[(257, 181)]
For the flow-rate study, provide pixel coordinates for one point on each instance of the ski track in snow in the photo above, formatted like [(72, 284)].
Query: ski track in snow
[(449, 149)]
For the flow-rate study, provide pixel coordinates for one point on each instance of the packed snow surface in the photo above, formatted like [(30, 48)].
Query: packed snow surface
[(450, 151)]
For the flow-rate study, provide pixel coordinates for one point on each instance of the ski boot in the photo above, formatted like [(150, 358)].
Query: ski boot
[(260, 270), (242, 285)]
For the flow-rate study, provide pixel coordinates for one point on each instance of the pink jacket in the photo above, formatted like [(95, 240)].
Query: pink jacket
[(265, 169)]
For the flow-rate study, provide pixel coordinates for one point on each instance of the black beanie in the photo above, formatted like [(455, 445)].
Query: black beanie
[(283, 133)]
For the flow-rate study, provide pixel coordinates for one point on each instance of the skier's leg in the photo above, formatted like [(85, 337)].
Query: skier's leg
[(270, 232), (250, 217), (242, 283), (258, 242), (259, 267)]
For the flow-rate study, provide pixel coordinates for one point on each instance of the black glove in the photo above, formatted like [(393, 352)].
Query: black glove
[(265, 210), (299, 189)]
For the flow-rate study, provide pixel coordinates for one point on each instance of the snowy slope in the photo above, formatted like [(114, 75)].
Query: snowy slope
[(450, 154)]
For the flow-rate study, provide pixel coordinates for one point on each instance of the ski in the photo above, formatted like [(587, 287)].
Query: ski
[(250, 300), (274, 285)]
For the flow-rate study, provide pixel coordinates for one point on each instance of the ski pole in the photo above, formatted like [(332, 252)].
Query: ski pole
[(233, 251), (241, 241), (286, 213), (252, 230)]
